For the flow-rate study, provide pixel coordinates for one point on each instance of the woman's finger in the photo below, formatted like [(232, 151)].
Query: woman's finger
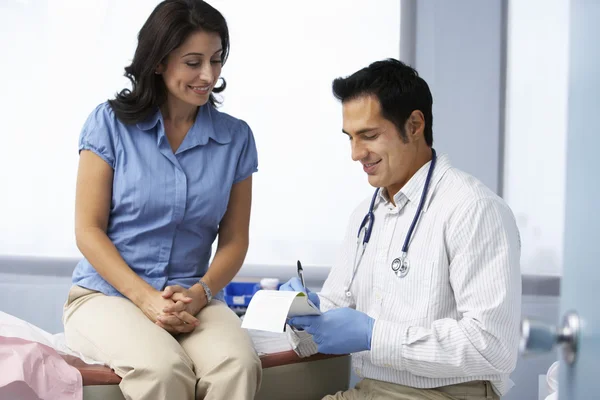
[(167, 292), (188, 318), (171, 290), (170, 319), (184, 328), (181, 297), (174, 308)]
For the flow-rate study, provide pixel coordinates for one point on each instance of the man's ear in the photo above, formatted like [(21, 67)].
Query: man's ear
[(415, 124)]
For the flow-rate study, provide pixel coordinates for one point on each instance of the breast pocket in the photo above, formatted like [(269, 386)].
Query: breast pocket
[(408, 298)]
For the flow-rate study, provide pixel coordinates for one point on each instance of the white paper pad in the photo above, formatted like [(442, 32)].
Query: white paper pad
[(269, 309)]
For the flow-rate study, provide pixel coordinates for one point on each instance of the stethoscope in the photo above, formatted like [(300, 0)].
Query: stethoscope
[(400, 265)]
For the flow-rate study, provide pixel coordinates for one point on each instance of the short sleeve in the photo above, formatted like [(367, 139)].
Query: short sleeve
[(97, 134), (248, 159)]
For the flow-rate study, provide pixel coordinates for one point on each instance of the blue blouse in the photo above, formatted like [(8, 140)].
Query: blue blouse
[(166, 207)]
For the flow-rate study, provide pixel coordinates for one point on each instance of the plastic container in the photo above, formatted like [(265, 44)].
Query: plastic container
[(239, 294), (269, 284)]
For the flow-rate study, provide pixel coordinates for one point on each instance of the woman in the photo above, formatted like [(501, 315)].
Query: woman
[(161, 173)]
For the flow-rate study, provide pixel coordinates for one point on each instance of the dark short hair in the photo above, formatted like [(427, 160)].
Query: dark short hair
[(169, 25), (399, 89)]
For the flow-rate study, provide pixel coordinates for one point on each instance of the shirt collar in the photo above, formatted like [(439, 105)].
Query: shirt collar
[(441, 167), (413, 189), (150, 122), (202, 130)]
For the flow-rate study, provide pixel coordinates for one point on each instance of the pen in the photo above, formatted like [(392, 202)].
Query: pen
[(301, 275)]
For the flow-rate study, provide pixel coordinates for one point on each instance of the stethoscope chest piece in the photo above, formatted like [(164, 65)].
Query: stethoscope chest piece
[(400, 266)]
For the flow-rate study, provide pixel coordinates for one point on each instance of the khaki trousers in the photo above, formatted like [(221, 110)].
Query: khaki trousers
[(370, 389), (215, 361)]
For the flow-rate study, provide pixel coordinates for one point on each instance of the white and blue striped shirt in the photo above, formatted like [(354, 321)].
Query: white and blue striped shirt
[(455, 316)]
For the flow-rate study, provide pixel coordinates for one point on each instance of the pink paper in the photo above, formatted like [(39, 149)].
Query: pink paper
[(32, 371)]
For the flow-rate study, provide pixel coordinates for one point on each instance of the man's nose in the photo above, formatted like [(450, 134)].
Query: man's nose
[(359, 151)]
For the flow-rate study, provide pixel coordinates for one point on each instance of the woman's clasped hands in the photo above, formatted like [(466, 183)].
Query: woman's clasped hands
[(174, 309)]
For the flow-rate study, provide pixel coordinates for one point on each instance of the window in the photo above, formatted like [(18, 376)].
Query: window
[(67, 56)]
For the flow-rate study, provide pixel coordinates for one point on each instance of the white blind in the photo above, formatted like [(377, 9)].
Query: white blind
[(63, 57)]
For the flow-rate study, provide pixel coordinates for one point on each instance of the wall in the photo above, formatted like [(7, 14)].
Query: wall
[(535, 155), (460, 53)]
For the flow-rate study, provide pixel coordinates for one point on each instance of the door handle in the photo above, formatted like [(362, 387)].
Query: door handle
[(538, 337)]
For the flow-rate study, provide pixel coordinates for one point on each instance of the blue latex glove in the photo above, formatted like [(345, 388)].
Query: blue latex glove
[(295, 285), (338, 331)]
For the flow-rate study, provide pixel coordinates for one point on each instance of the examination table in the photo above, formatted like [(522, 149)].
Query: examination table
[(285, 376)]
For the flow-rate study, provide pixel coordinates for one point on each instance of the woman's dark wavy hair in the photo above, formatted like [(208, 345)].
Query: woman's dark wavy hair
[(169, 25), (398, 87)]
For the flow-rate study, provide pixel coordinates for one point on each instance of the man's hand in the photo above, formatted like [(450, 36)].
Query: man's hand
[(338, 331), (294, 285)]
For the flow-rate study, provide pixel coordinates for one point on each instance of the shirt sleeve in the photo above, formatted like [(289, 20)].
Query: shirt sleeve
[(248, 159), (484, 251), (97, 135)]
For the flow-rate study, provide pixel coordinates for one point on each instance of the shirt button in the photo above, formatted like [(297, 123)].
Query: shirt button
[(378, 296)]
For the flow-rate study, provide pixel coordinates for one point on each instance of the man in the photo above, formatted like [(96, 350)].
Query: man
[(430, 311)]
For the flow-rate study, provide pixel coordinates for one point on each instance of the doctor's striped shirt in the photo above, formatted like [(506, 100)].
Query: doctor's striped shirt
[(455, 316)]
